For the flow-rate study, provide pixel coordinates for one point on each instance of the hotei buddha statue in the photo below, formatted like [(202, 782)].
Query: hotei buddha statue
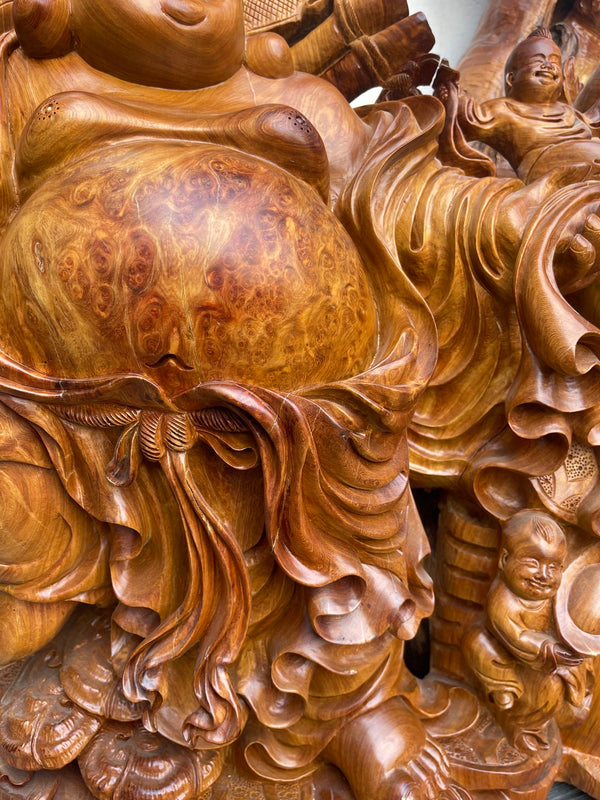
[(218, 316)]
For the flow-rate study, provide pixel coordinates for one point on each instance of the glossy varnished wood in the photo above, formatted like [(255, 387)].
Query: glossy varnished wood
[(240, 324)]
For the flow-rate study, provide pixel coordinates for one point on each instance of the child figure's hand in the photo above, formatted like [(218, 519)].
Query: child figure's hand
[(446, 83), (558, 655), (443, 92)]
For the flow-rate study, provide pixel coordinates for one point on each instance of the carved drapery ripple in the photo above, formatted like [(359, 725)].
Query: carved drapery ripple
[(263, 347)]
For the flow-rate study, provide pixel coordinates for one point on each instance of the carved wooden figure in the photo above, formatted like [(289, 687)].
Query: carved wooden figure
[(502, 26), (238, 320), (533, 127), (574, 25), (528, 674)]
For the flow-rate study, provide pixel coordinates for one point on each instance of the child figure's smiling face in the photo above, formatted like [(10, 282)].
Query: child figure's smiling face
[(534, 72), (172, 44), (533, 566)]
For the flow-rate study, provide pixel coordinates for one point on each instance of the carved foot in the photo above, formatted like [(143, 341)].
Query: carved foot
[(385, 754), (425, 777)]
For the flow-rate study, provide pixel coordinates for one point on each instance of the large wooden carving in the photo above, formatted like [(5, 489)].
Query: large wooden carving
[(242, 327)]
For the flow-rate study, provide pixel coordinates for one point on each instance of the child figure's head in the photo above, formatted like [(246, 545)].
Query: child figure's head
[(533, 72), (532, 555), (172, 44)]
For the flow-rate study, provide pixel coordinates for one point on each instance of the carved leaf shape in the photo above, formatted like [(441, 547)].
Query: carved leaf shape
[(40, 727), (125, 761), (87, 674), (122, 468), (179, 432)]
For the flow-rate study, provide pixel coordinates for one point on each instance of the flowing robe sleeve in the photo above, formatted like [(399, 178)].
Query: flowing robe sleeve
[(448, 240)]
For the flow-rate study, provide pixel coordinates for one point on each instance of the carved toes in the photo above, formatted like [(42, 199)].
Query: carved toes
[(578, 258), (591, 230), (430, 771), (582, 251), (406, 788), (425, 777)]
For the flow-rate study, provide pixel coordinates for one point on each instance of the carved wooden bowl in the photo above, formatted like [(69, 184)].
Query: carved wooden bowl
[(577, 603)]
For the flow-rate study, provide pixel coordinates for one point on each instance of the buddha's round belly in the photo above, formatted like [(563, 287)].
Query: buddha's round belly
[(184, 263)]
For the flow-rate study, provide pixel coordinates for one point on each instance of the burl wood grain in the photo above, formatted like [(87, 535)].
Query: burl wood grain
[(198, 263), (242, 327)]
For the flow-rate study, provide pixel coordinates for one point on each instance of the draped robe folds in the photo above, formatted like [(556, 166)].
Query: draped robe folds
[(278, 624), (516, 375), (538, 372)]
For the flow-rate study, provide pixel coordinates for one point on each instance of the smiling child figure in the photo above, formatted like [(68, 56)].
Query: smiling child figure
[(528, 674), (532, 127)]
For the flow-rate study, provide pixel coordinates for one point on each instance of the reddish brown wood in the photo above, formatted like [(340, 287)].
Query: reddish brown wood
[(502, 26), (533, 127), (324, 45), (239, 326), (376, 60)]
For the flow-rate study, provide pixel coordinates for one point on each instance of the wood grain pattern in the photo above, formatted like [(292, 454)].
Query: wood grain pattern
[(240, 325)]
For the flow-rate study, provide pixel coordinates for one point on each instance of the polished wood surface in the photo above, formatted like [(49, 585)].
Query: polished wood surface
[(259, 354), (574, 25)]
